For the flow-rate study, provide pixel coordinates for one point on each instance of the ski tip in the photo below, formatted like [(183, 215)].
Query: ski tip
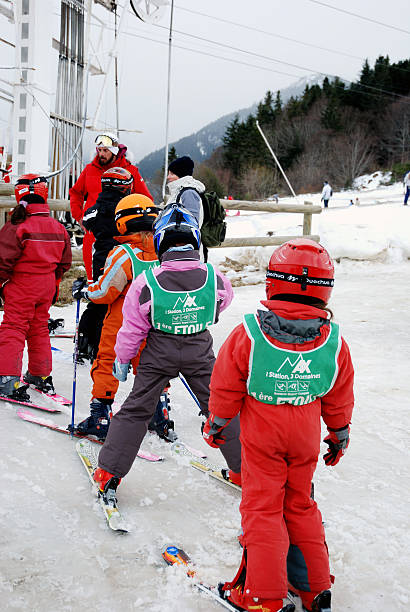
[(173, 555)]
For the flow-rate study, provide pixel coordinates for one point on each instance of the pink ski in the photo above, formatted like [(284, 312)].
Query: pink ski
[(58, 399), (62, 335), (181, 448), (26, 415), (30, 404)]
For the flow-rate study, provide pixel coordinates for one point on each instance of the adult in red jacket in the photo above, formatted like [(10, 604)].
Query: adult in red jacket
[(282, 370), (85, 191), (35, 252)]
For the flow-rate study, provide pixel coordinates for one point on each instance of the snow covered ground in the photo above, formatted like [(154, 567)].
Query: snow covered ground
[(58, 554)]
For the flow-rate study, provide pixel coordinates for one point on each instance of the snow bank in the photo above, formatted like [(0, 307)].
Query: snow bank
[(375, 228)]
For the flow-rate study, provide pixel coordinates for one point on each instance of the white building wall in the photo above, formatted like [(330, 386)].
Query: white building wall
[(31, 122)]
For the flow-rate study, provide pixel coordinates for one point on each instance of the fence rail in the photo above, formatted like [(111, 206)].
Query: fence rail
[(307, 209)]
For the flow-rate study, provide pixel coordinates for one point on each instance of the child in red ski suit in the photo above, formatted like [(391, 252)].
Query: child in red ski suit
[(282, 369), (35, 252)]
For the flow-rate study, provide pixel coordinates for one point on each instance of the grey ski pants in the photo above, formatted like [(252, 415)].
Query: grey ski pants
[(163, 358)]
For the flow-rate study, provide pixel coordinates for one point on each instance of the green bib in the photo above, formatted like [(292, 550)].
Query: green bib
[(183, 312), (138, 265), (281, 376)]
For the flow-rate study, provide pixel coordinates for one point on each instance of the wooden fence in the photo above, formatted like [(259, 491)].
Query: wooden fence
[(307, 210)]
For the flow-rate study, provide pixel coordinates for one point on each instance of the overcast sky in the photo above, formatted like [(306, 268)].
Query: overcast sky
[(206, 86)]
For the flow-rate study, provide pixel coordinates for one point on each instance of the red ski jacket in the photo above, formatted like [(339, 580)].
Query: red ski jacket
[(38, 245), (228, 383), (88, 184)]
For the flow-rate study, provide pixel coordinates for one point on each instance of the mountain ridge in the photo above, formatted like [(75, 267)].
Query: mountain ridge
[(201, 144)]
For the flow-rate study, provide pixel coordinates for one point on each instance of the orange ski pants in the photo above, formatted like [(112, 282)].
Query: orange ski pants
[(105, 384)]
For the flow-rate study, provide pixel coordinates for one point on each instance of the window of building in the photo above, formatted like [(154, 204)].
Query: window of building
[(25, 7), (22, 124), (21, 167), (24, 55), (22, 147), (23, 100), (24, 30)]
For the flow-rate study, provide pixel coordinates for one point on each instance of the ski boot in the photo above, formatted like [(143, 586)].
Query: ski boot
[(321, 603), (160, 423), (11, 387), (230, 476), (311, 602), (98, 422), (55, 325), (241, 601), (41, 383), (107, 484), (87, 351)]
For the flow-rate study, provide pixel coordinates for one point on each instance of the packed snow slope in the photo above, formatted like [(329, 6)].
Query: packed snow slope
[(59, 555)]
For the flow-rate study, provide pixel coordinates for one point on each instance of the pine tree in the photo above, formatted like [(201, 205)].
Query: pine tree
[(172, 155), (278, 104)]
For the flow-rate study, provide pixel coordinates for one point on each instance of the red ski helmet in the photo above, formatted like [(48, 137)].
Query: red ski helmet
[(300, 267), (117, 178), (135, 213), (31, 184)]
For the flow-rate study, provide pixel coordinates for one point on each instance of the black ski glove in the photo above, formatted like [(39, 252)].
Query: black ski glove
[(79, 289)]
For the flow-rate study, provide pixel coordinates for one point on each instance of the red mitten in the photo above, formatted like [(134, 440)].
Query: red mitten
[(337, 441)]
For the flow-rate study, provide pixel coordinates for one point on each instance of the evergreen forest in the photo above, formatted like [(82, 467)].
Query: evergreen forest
[(334, 132)]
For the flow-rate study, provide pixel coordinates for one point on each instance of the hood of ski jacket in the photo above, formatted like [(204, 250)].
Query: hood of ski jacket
[(117, 276), (84, 192), (38, 245), (179, 271), (293, 327)]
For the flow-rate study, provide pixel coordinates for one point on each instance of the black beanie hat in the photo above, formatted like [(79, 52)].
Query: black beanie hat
[(182, 166)]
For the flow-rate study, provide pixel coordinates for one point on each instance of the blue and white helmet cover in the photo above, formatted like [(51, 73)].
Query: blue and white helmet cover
[(175, 224)]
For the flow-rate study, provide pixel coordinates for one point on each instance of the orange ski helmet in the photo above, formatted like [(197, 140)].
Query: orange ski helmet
[(30, 184), (135, 213), (300, 267), (117, 178)]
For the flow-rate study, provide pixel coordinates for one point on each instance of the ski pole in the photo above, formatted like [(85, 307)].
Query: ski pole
[(77, 320), (191, 393), (276, 160)]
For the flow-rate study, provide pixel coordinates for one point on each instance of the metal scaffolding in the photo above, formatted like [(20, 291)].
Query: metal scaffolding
[(67, 117)]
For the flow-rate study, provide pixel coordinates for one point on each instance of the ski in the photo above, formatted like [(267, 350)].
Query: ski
[(214, 473), (173, 555), (26, 415), (89, 459), (181, 448), (29, 404), (62, 335), (58, 399)]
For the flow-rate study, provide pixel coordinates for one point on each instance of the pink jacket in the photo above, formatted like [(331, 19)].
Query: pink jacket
[(137, 305)]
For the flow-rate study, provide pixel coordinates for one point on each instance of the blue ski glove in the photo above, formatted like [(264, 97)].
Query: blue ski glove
[(120, 370), (79, 289), (338, 441)]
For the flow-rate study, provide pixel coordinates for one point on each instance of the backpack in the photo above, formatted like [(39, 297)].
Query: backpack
[(213, 228)]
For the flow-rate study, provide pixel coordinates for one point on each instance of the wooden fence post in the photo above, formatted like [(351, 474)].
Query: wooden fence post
[(307, 221)]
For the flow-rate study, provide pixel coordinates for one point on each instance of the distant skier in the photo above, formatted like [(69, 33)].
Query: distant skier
[(135, 215), (327, 193), (406, 182), (99, 219), (283, 369), (83, 194), (35, 252), (171, 308)]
